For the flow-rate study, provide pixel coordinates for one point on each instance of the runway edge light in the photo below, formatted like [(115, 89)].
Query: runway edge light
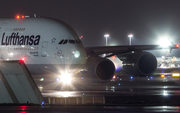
[(162, 75), (175, 75)]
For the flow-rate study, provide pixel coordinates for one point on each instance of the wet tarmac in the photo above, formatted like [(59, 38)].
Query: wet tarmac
[(150, 90), (122, 94), (88, 109)]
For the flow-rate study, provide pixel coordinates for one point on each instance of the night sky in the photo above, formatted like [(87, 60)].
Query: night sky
[(147, 20)]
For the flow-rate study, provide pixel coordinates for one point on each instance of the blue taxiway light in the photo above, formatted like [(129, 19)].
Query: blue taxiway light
[(57, 79)]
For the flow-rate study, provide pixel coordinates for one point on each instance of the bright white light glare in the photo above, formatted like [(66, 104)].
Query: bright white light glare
[(65, 94), (176, 75), (76, 54), (11, 54), (66, 78), (164, 106), (22, 45), (107, 35), (165, 93), (57, 79), (164, 42), (130, 35), (42, 79)]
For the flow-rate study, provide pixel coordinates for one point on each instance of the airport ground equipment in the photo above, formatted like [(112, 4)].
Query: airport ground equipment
[(17, 85)]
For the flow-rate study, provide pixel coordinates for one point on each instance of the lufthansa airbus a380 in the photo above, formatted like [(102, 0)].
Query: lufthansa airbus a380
[(50, 46)]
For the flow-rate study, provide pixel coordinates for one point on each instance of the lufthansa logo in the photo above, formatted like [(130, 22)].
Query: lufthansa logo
[(15, 39)]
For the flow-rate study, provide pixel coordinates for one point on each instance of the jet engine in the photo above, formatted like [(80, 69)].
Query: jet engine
[(102, 69), (140, 64)]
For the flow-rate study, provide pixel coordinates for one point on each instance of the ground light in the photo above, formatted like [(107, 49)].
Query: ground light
[(107, 35), (131, 77), (130, 36)]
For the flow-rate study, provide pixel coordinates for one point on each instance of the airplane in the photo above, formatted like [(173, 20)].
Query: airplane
[(50, 46)]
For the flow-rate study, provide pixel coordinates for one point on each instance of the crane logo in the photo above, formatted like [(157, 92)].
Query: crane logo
[(59, 53)]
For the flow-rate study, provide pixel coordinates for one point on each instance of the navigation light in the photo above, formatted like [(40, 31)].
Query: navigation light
[(177, 45), (22, 59), (17, 17), (20, 16)]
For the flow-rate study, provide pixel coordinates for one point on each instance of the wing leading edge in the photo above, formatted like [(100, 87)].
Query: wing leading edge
[(125, 49)]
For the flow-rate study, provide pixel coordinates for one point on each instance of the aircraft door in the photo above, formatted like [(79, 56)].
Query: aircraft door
[(44, 49), (2, 27), (4, 49)]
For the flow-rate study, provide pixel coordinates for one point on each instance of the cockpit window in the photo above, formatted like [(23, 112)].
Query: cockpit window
[(65, 41), (61, 41), (78, 41), (72, 41)]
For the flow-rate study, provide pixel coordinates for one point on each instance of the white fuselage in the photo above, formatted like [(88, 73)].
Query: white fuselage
[(47, 45)]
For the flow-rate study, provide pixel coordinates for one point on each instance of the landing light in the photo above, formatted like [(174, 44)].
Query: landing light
[(76, 54), (66, 78)]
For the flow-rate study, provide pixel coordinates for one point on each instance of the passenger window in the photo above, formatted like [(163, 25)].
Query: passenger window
[(65, 42), (61, 41), (72, 41)]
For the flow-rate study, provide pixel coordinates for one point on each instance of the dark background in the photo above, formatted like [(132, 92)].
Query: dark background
[(147, 20)]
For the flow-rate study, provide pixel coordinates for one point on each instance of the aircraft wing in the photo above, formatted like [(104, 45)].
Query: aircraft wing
[(125, 49)]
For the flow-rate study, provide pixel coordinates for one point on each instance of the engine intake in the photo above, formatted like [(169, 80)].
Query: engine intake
[(105, 70), (102, 68), (140, 64)]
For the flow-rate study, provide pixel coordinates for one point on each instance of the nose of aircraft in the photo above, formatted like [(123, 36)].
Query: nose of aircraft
[(79, 54)]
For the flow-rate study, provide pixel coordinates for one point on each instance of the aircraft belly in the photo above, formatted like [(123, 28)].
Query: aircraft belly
[(43, 69)]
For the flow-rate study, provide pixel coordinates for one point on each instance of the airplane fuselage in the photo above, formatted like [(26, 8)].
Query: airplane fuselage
[(46, 45)]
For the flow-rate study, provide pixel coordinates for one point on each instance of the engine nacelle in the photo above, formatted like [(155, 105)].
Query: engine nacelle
[(102, 68), (140, 64)]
